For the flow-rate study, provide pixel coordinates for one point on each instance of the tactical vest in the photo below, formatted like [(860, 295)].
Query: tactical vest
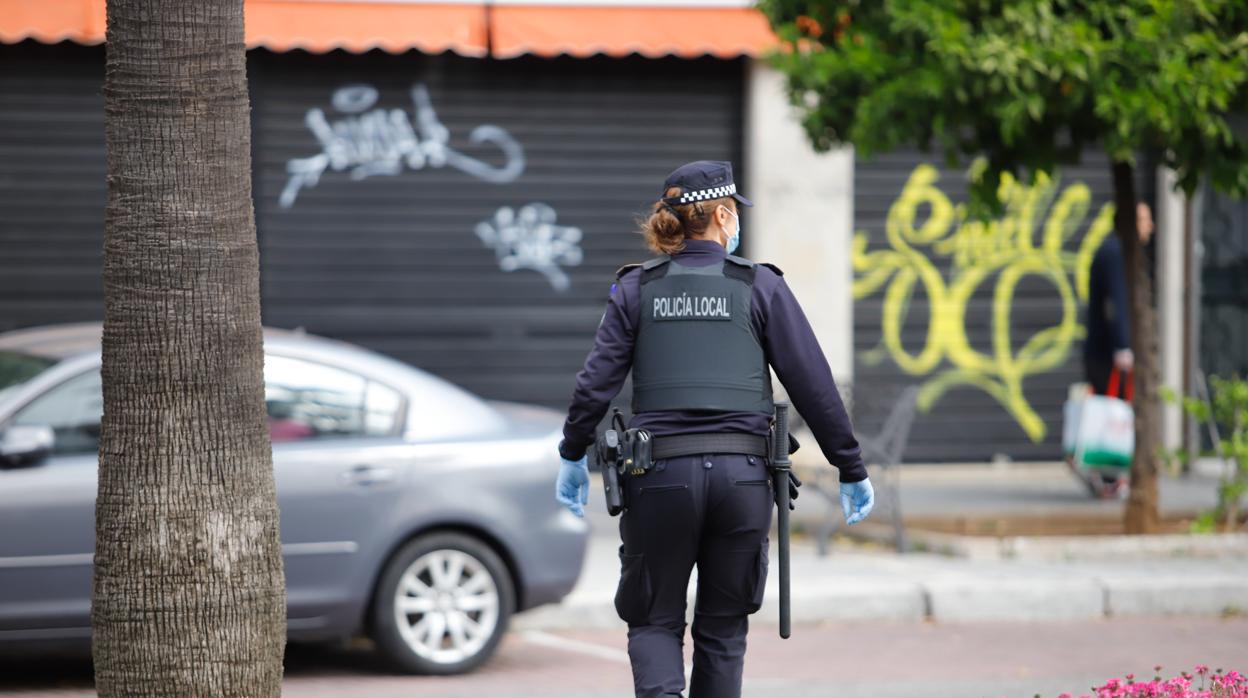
[(696, 348)]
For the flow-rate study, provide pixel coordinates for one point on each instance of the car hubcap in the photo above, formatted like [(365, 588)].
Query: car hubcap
[(446, 606)]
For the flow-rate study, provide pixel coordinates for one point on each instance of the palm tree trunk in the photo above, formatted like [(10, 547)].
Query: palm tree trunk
[(189, 597), (1142, 511)]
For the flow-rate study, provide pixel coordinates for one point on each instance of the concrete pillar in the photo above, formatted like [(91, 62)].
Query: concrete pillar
[(1171, 299), (803, 214)]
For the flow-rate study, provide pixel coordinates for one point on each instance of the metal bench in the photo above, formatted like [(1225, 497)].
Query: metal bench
[(882, 451)]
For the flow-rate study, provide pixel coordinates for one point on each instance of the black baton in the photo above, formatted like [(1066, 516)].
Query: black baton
[(780, 466)]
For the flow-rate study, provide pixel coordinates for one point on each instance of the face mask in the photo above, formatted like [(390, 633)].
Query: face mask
[(735, 240)]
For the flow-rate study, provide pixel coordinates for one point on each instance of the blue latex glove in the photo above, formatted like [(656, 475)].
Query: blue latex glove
[(857, 495), (572, 487)]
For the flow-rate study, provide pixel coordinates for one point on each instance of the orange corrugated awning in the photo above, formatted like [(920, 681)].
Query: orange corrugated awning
[(80, 21), (322, 25), (466, 28), (725, 32), (282, 25)]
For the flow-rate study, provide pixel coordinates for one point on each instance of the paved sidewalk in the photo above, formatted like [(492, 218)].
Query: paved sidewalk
[(865, 583), (834, 660), (949, 498), (855, 584), (1028, 488)]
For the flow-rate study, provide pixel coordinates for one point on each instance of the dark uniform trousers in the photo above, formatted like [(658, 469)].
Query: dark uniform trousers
[(713, 511)]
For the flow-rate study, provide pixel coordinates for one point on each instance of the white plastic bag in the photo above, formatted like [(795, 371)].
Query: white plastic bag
[(1070, 417), (1106, 436)]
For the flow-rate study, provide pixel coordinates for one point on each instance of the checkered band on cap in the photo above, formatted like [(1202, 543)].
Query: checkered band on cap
[(707, 194)]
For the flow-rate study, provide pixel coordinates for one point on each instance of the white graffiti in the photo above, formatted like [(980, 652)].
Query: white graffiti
[(369, 141), (530, 239)]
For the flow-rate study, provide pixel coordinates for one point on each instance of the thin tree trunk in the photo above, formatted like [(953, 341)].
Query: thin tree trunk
[(1142, 512), (189, 596), (1234, 479)]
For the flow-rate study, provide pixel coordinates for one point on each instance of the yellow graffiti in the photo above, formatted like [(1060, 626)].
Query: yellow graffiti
[(1001, 252)]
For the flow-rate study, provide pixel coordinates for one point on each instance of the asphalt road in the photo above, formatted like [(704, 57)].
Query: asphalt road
[(868, 660)]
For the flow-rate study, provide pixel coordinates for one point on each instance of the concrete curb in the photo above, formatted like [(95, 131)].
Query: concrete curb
[(1061, 548), (949, 601), (1170, 596), (860, 603), (854, 586), (1023, 600), (569, 616), (854, 601)]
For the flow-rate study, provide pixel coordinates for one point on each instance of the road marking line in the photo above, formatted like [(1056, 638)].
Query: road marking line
[(538, 637)]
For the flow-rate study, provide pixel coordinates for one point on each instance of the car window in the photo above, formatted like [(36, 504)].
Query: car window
[(73, 409), (307, 400), (382, 407), (16, 368)]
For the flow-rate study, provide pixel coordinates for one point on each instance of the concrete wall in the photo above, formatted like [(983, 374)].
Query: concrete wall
[(802, 220), (1171, 297)]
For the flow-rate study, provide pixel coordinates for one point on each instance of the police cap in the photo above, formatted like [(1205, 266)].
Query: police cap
[(702, 180)]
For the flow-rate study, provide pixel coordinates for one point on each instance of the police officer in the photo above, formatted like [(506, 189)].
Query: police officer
[(698, 328)]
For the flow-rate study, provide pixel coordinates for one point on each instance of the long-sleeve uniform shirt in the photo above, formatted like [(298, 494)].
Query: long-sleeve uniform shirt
[(1109, 322), (789, 345)]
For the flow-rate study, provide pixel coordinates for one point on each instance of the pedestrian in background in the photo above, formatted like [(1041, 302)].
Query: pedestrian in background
[(1108, 345), (698, 329)]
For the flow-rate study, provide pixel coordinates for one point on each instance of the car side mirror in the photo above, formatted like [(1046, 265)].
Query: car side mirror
[(22, 445)]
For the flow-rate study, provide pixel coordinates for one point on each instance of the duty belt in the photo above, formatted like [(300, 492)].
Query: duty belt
[(697, 444)]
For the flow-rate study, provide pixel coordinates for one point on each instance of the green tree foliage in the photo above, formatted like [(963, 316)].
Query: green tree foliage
[(1027, 85), (1228, 410)]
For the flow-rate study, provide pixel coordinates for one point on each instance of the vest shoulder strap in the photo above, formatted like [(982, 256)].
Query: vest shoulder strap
[(619, 273), (645, 266), (656, 268), (740, 269), (737, 268)]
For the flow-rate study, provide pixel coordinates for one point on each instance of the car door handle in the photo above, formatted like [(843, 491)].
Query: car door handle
[(368, 476)]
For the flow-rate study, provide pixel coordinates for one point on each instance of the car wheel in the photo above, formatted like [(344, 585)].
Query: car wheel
[(442, 605)]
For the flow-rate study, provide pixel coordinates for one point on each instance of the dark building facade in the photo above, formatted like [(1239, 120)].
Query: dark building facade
[(1224, 286), (986, 318), (464, 215)]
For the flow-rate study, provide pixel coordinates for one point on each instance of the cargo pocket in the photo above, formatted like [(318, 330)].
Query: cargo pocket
[(760, 581), (735, 586), (632, 597)]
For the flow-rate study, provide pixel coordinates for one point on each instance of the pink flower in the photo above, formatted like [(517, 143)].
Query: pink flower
[(1231, 684)]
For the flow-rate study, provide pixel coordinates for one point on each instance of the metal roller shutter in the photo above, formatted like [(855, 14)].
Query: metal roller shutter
[(52, 189), (1224, 286), (395, 244), (966, 423)]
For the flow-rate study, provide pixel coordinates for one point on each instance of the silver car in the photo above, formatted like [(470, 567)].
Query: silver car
[(411, 510)]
